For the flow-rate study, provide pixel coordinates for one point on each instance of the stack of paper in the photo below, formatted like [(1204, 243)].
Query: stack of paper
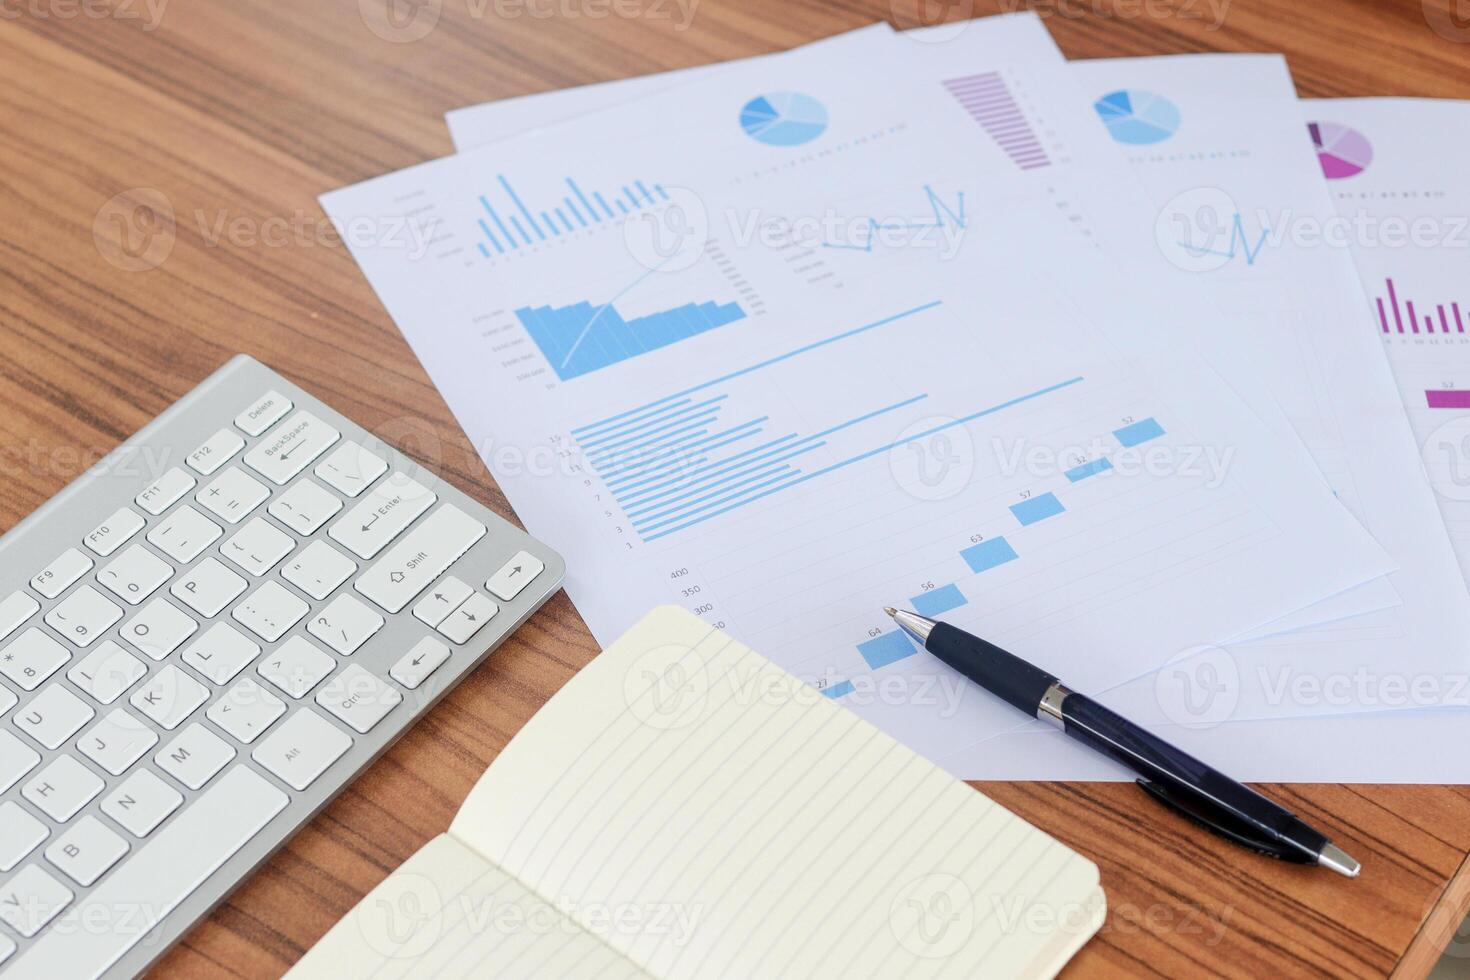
[(1087, 358)]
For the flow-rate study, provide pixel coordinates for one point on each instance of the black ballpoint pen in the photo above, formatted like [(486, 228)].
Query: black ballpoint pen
[(1174, 778)]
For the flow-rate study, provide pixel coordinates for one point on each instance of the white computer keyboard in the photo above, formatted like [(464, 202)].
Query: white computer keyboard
[(203, 640)]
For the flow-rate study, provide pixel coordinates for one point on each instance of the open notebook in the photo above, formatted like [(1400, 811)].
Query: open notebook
[(685, 808)]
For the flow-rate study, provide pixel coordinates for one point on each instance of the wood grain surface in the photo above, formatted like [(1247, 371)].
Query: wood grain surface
[(233, 117)]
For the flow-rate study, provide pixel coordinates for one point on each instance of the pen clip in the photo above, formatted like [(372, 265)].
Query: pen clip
[(1198, 811)]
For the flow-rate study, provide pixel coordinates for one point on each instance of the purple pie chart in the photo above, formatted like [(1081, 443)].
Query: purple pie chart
[(1343, 152)]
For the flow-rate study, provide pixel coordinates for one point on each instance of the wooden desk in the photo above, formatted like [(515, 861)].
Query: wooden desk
[(239, 114)]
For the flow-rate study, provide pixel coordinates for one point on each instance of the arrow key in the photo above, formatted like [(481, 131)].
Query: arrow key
[(515, 575), (469, 618), (417, 664), (442, 600)]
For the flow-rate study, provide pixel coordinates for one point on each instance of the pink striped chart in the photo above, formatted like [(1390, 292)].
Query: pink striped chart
[(988, 100), (1406, 319)]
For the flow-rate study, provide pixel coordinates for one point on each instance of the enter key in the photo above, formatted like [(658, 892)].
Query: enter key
[(382, 515)]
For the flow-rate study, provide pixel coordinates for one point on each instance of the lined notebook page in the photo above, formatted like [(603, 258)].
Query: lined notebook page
[(706, 814), (448, 913)]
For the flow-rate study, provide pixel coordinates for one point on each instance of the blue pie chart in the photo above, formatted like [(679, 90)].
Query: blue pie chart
[(783, 118), (1136, 117)]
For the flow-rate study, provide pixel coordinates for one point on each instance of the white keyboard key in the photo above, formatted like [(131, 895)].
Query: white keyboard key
[(270, 611), (169, 696), (62, 788), (291, 447), (86, 851), (159, 629), (19, 834), (53, 716), (515, 575), (318, 570), (83, 616), (346, 624), (302, 749), (141, 803), (165, 491), (135, 574), (195, 756), (296, 667), (59, 576), (31, 899), (358, 698), (469, 618), (7, 700), (424, 554), (427, 656), (268, 409), (350, 469), (441, 600), (382, 515), (117, 741), (208, 587), (16, 759), (15, 610), (233, 495), (32, 658), (304, 507), (221, 653), (258, 546), (246, 710), (7, 948), (160, 875), (114, 532), (216, 451), (107, 672), (184, 534)]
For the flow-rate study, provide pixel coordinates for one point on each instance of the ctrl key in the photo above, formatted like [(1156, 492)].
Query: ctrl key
[(303, 748)]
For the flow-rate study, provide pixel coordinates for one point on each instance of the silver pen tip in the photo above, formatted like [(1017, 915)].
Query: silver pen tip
[(1338, 860), (890, 610)]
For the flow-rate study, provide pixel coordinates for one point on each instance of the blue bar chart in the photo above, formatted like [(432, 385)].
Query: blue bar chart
[(938, 600), (508, 223)]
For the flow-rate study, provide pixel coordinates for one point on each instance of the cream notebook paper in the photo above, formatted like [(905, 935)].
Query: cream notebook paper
[(685, 808)]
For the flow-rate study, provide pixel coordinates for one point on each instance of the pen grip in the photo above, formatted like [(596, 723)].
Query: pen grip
[(1002, 674)]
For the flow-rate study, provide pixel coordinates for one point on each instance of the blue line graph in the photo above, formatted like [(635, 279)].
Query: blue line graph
[(1239, 244), (519, 227), (942, 213), (582, 338)]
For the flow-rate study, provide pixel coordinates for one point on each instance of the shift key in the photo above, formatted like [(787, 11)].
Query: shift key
[(415, 562)]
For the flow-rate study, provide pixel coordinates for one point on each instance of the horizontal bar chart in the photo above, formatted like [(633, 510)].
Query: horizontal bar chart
[(1081, 472), (1448, 397), (988, 554), (1139, 432), (940, 600), (885, 649), (1037, 509)]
